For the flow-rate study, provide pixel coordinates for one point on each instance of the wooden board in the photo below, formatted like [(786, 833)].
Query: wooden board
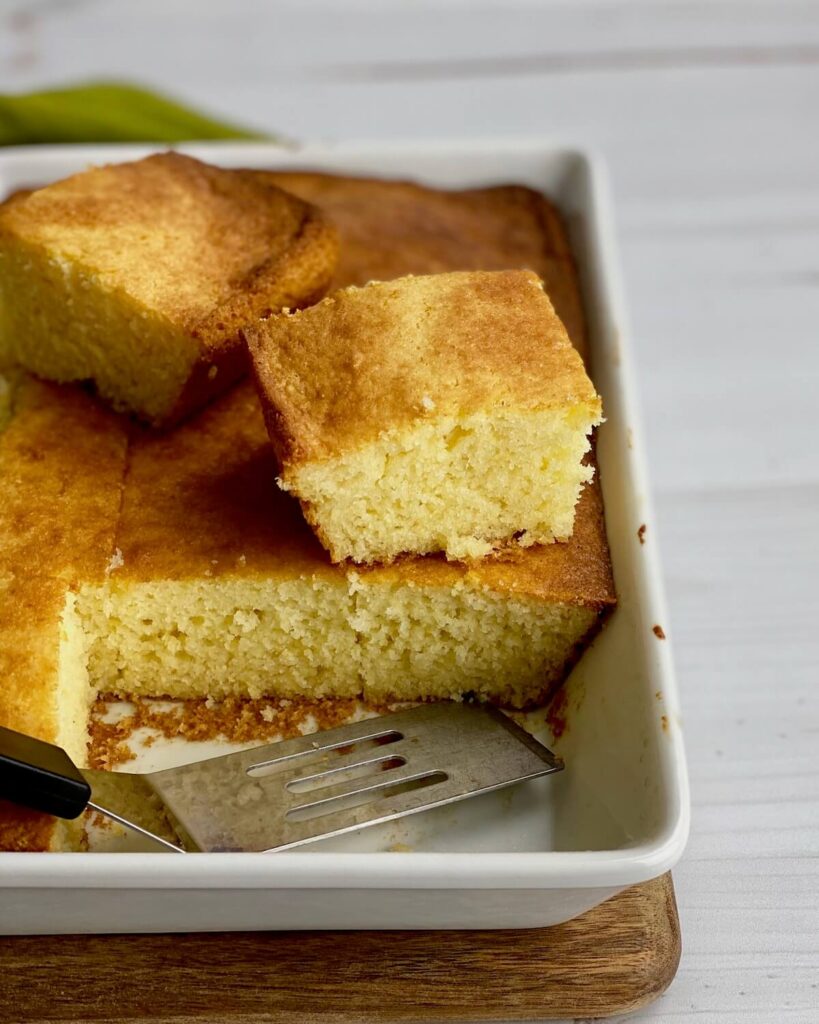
[(616, 958)]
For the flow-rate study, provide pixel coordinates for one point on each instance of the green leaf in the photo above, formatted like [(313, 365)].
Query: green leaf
[(106, 112)]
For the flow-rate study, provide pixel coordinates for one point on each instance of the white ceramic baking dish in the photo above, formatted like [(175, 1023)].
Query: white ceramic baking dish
[(533, 856)]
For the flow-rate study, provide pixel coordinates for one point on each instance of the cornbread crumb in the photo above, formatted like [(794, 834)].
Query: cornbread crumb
[(108, 742), (377, 475), (386, 639), (234, 720)]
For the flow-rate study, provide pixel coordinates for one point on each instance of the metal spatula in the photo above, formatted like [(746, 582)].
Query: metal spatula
[(282, 795)]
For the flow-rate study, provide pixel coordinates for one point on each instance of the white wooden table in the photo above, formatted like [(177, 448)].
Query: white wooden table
[(708, 114)]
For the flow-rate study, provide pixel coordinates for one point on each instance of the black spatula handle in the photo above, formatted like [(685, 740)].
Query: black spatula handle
[(40, 776)]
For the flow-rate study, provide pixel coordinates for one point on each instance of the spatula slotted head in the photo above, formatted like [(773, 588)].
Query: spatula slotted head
[(283, 795)]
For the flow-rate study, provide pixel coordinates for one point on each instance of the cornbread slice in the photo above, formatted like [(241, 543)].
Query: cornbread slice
[(138, 276), (222, 589), (447, 412)]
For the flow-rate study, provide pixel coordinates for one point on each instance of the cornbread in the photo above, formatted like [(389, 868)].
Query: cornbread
[(138, 277), (45, 693), (172, 564), (193, 594), (222, 589), (447, 412)]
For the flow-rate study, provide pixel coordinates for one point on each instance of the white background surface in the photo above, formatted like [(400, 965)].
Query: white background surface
[(708, 115)]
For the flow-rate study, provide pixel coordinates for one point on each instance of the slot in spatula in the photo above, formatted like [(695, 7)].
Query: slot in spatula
[(282, 795)]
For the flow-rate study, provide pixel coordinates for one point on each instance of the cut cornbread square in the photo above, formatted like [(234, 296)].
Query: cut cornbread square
[(138, 276), (447, 412), (221, 589)]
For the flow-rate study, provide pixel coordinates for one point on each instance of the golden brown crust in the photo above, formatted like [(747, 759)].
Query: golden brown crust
[(365, 360), (25, 831), (296, 277), (485, 226), (62, 461), (212, 374), (205, 249), (182, 237), (561, 284), (30, 611), (392, 228), (203, 501)]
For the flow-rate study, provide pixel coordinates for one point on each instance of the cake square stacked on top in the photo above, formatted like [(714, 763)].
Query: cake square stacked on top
[(447, 412), (138, 276), (172, 564)]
